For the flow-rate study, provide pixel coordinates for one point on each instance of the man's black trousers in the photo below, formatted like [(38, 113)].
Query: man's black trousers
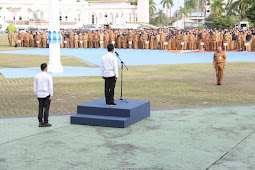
[(109, 89), (44, 107)]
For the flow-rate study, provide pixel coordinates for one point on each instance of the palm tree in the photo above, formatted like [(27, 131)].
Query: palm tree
[(153, 8), (191, 4), (160, 18), (241, 6), (166, 4), (217, 8)]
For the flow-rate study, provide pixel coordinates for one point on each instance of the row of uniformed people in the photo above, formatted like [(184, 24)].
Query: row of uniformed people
[(143, 39)]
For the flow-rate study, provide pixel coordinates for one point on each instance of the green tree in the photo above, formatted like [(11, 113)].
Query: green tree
[(251, 14), (161, 19), (134, 3), (242, 6), (191, 4), (217, 8), (11, 28), (166, 4), (153, 8), (221, 22)]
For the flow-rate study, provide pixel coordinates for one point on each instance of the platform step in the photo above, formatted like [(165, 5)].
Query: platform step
[(96, 120)]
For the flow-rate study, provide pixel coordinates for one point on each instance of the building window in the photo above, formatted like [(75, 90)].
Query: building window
[(20, 18), (66, 18), (60, 18), (93, 19), (105, 16)]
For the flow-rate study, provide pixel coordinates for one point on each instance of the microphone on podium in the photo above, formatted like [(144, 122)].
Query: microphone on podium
[(116, 53)]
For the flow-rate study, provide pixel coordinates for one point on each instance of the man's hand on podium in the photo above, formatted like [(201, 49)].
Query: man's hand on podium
[(116, 78)]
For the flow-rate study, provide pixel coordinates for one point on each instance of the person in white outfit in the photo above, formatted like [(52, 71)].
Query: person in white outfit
[(43, 88), (109, 71)]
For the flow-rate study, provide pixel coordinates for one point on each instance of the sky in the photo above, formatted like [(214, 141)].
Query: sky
[(177, 4)]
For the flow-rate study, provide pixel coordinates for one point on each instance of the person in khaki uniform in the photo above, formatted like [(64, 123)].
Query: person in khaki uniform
[(158, 41), (85, 40), (191, 41), (119, 40), (76, 39), (112, 38), (253, 42), (27, 39), (106, 39), (239, 42), (62, 39), (136, 39), (169, 45), (207, 41), (96, 40), (173, 41), (248, 41), (101, 39), (226, 40), (214, 41), (152, 39), (144, 38), (21, 38), (125, 40), (91, 37), (10, 38), (80, 40), (219, 63), (71, 39), (15, 37), (185, 40), (31, 40), (179, 40), (67, 39), (162, 40), (130, 39), (44, 40)]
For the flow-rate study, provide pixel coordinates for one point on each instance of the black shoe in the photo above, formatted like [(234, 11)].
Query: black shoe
[(41, 124), (219, 84), (47, 125), (112, 104)]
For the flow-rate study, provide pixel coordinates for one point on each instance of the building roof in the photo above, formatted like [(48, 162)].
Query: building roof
[(110, 0)]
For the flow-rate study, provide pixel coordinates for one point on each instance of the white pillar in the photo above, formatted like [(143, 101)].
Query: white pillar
[(55, 65)]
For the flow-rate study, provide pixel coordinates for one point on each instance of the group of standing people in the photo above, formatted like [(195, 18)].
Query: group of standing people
[(163, 39)]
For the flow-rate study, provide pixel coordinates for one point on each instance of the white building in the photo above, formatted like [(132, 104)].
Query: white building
[(74, 13)]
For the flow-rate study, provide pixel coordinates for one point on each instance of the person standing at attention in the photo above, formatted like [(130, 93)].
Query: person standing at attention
[(219, 63), (109, 71), (43, 88)]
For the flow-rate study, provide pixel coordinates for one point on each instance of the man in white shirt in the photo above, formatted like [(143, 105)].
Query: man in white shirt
[(43, 88), (109, 71)]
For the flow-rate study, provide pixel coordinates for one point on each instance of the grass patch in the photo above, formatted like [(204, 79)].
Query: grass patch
[(166, 86)]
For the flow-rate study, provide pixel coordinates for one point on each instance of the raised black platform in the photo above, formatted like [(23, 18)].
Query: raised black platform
[(126, 113)]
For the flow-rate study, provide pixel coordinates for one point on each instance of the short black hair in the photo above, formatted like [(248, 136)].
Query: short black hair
[(43, 66), (110, 47)]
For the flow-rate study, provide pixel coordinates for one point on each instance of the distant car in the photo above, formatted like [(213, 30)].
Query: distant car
[(32, 29), (21, 29), (89, 28)]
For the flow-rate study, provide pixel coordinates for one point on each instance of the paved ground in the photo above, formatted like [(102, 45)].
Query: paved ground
[(199, 138)]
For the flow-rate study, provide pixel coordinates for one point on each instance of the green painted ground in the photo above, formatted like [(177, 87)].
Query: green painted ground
[(173, 139)]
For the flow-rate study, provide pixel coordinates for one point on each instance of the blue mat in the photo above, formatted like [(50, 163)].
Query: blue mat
[(142, 57), (30, 72)]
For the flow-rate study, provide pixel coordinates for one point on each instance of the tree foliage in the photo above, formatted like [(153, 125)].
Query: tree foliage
[(11, 28)]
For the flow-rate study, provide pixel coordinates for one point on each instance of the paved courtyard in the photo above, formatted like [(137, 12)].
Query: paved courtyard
[(218, 138)]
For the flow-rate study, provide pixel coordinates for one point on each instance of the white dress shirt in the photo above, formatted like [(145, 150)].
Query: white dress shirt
[(109, 67), (43, 85)]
